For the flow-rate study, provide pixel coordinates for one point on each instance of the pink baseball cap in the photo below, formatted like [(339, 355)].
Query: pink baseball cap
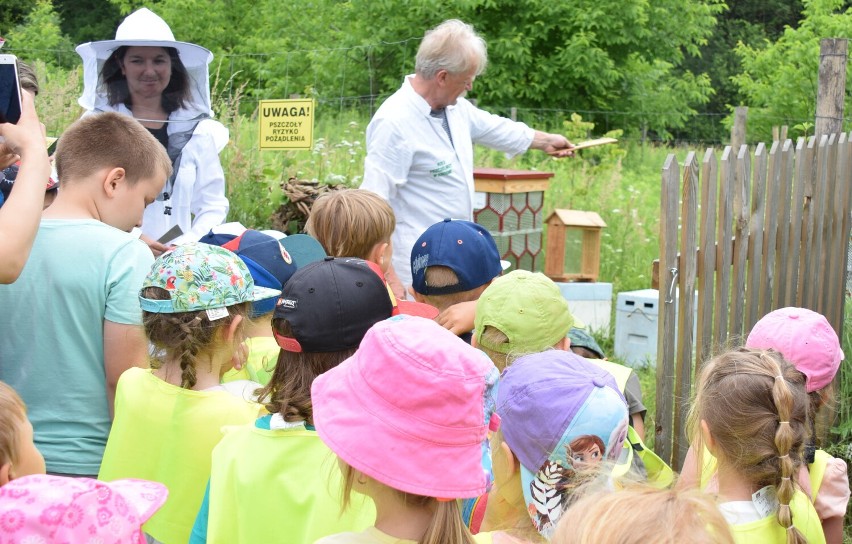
[(412, 409), (803, 337), (44, 508)]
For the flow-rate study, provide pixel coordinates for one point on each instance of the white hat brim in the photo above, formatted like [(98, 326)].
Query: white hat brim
[(191, 55)]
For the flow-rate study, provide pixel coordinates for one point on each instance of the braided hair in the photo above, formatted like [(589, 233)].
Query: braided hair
[(184, 336), (755, 405)]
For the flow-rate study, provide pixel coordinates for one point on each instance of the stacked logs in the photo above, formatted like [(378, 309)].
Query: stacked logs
[(299, 197)]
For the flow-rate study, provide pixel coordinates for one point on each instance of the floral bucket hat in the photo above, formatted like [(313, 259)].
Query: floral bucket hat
[(201, 277)]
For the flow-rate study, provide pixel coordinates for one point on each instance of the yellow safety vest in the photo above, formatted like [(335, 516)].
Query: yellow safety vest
[(262, 357), (620, 372), (165, 433), (660, 475), (768, 531), (707, 468), (276, 486), (816, 470)]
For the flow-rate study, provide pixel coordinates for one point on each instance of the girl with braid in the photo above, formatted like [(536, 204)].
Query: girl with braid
[(169, 417), (807, 340), (751, 413)]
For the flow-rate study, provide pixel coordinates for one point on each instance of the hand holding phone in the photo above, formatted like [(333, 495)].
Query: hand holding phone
[(27, 136), (10, 90)]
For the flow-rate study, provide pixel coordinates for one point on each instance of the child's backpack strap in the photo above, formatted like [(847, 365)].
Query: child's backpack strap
[(816, 471)]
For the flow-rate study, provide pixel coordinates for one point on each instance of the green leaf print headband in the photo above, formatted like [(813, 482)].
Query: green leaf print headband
[(201, 277)]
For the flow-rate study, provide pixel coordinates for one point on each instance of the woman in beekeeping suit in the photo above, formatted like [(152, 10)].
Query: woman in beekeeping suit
[(164, 84)]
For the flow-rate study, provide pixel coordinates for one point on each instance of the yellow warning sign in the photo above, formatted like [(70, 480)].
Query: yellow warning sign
[(286, 124)]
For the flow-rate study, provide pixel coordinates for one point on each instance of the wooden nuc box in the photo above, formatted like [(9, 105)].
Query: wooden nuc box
[(573, 251)]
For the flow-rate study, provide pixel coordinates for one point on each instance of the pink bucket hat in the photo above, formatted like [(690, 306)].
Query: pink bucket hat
[(803, 337), (46, 509), (412, 409)]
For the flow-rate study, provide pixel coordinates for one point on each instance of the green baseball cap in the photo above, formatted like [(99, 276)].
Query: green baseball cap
[(528, 308)]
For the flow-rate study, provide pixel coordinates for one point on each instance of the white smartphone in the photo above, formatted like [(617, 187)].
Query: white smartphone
[(10, 90)]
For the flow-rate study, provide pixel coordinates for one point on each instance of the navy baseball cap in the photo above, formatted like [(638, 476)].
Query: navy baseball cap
[(462, 246), (268, 262), (330, 304)]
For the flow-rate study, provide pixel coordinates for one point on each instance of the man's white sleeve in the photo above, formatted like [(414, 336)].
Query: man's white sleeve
[(388, 161)]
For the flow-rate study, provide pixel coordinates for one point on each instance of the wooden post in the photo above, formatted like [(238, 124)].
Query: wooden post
[(704, 328), (664, 424), (738, 131), (832, 86), (686, 310), (829, 120)]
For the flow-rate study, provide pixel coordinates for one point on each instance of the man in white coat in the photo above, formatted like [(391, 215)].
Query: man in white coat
[(420, 141)]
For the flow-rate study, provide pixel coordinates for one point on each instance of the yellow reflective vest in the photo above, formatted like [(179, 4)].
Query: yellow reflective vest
[(260, 363), (660, 475), (769, 531), (165, 433), (279, 486), (620, 372), (816, 470)]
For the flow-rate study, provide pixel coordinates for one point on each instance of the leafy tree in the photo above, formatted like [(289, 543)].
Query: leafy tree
[(779, 80), (88, 20), (616, 55), (40, 35), (751, 22), (12, 12)]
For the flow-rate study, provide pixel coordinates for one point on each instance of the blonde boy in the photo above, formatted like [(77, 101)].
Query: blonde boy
[(18, 455), (353, 223), (74, 310)]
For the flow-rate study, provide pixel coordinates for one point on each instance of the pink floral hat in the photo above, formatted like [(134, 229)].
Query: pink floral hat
[(53, 509)]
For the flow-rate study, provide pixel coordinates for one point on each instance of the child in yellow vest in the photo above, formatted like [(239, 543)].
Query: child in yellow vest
[(806, 339), (585, 345), (408, 416), (750, 411), (640, 515), (271, 264), (323, 313), (168, 418), (35, 507)]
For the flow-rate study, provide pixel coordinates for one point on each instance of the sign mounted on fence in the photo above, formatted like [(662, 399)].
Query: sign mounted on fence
[(286, 124)]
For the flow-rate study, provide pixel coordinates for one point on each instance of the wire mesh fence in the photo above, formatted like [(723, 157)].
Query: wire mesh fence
[(346, 82)]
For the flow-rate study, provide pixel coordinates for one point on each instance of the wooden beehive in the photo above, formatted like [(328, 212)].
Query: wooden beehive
[(573, 251), (512, 208)]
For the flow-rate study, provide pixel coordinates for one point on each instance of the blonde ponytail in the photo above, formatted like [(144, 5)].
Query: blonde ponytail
[(447, 526)]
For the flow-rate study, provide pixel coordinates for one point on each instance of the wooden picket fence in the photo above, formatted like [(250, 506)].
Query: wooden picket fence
[(749, 233)]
